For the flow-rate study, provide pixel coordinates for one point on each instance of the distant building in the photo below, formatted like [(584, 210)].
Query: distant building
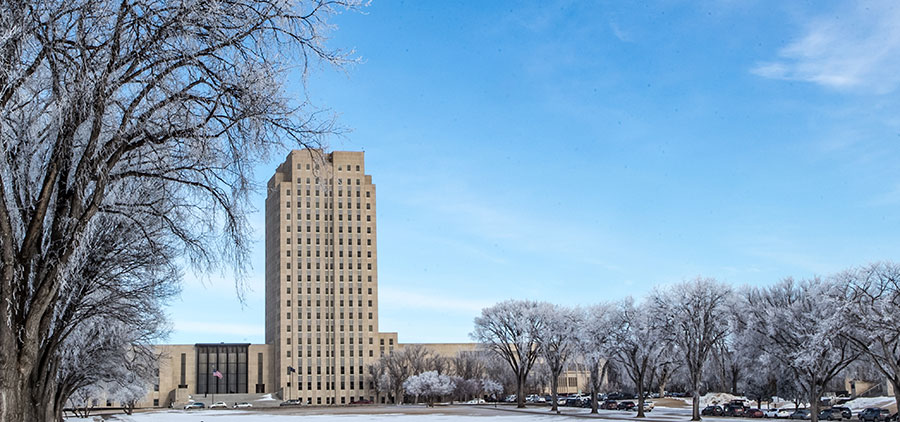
[(321, 297)]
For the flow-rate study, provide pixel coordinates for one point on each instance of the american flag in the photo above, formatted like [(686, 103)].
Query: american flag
[(217, 374)]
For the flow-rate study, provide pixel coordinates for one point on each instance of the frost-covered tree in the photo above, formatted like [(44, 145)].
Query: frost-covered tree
[(594, 343), (637, 346), (694, 317), (510, 330), (873, 302), (558, 342), (97, 96), (393, 369), (799, 324), (429, 385), (491, 388), (105, 327)]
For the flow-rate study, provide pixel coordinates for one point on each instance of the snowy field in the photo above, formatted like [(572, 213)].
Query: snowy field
[(438, 414), (248, 416)]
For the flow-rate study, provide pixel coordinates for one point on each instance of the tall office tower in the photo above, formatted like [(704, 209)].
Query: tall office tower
[(321, 278)]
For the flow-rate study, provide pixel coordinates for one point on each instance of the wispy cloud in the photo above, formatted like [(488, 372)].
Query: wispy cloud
[(219, 328), (619, 32), (853, 49)]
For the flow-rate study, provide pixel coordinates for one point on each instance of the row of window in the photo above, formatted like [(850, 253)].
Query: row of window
[(309, 290), (327, 302), (327, 182), (329, 279), (308, 229), (340, 253), (328, 353), (328, 266), (329, 205)]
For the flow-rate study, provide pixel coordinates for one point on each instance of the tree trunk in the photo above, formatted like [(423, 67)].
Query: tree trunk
[(554, 393), (520, 388), (640, 388), (21, 399), (695, 403), (814, 404)]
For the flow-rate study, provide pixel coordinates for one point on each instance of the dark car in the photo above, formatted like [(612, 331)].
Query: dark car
[(874, 414), (733, 410), (712, 411), (610, 405), (754, 413), (846, 413), (801, 414), (831, 415), (362, 401), (293, 402), (615, 396), (626, 405), (573, 401)]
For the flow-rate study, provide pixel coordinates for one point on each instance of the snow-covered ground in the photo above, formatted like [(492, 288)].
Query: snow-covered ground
[(248, 416)]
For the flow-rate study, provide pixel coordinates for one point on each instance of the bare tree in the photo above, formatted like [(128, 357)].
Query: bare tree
[(559, 342), (797, 324), (873, 302), (594, 347), (637, 346), (694, 317), (96, 96), (510, 330), (469, 364)]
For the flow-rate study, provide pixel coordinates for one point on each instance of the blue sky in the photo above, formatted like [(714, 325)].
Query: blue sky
[(578, 152)]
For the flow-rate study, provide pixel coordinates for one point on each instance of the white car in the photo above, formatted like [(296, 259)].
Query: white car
[(218, 404), (784, 413), (243, 405), (770, 413), (476, 401)]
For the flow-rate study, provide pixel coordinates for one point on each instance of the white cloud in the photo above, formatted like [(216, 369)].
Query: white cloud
[(854, 49), (219, 328)]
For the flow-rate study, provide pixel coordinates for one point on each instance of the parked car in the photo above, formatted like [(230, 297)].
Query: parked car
[(473, 401), (733, 410), (561, 401), (615, 396), (292, 402), (194, 405), (573, 401), (785, 413), (534, 398), (626, 405), (712, 411), (830, 415), (243, 405), (754, 413), (770, 413), (510, 398), (874, 414), (218, 405), (367, 401), (648, 406), (846, 413), (609, 405), (801, 414)]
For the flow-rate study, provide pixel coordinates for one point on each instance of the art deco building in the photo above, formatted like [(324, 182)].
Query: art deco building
[(322, 277)]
